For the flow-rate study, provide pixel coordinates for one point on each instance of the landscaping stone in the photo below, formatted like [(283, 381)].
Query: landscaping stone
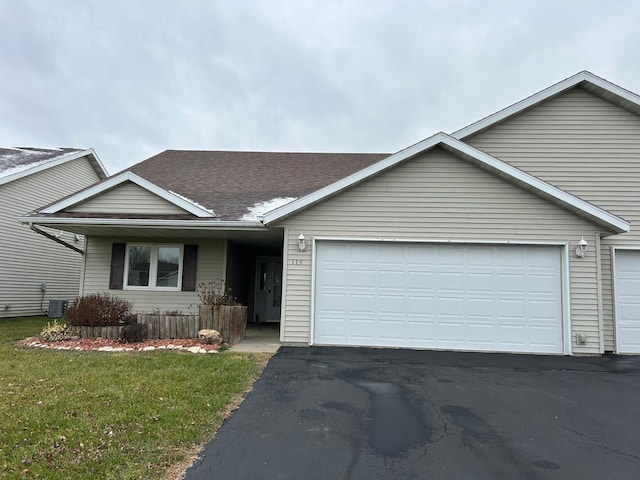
[(191, 345), (209, 337)]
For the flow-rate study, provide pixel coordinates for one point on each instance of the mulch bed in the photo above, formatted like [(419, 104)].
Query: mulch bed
[(102, 344)]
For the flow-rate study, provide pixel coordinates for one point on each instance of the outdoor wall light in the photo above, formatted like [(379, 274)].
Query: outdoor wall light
[(301, 243), (581, 248)]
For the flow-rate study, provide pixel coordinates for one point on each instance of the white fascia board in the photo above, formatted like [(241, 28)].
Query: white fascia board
[(142, 222), (54, 163), (101, 170), (120, 179), (452, 144), (520, 176), (543, 95)]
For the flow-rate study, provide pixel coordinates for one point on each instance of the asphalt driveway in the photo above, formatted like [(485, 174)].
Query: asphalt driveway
[(359, 413)]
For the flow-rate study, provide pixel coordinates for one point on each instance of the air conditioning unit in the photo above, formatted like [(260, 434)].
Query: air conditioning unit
[(57, 308)]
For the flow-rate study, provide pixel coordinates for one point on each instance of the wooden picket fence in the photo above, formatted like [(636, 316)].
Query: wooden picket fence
[(230, 321), (111, 333), (170, 326)]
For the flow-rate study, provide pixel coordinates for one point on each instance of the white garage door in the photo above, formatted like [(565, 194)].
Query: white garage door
[(455, 297), (627, 292)]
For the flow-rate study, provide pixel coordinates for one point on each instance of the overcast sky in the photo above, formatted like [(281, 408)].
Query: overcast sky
[(133, 78)]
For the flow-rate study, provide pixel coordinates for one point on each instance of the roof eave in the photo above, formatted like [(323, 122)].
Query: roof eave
[(141, 222), (97, 164), (510, 173), (586, 78), (120, 179), (93, 159)]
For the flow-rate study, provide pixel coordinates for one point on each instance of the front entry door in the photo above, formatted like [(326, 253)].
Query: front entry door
[(268, 289)]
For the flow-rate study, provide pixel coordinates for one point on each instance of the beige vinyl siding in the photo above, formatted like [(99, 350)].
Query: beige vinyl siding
[(588, 147), (127, 198), (29, 259), (97, 264), (439, 197)]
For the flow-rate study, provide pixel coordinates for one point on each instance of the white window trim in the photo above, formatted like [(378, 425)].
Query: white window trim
[(153, 267)]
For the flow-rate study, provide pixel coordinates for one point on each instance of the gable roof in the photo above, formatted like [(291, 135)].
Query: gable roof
[(241, 187), (473, 155), (587, 80), (178, 200), (237, 186), (233, 184), (20, 162)]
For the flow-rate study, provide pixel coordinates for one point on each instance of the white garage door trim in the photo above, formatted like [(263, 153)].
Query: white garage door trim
[(618, 308), (564, 274)]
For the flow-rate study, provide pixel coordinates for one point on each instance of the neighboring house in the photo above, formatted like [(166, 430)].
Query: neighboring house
[(518, 233), (35, 269)]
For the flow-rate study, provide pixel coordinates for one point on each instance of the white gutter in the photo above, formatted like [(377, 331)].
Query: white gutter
[(131, 222), (56, 239)]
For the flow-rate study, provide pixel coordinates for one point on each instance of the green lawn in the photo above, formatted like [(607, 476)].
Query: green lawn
[(78, 415)]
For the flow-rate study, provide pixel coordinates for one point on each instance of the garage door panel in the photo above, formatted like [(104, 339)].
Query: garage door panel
[(388, 328), (332, 302), (627, 300), (449, 281), (362, 279), (361, 304), (448, 306), (488, 298), (420, 305), (390, 279), (391, 305), (420, 282), (451, 258), (333, 328), (336, 278), (481, 332)]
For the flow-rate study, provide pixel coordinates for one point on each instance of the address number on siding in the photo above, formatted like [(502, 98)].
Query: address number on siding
[(295, 261)]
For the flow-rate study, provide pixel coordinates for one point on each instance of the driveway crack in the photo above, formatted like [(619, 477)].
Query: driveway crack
[(599, 444)]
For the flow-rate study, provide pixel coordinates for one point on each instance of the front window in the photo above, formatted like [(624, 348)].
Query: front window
[(168, 266), (153, 266), (139, 265)]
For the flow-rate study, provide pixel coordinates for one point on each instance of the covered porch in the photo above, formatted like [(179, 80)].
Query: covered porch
[(247, 259)]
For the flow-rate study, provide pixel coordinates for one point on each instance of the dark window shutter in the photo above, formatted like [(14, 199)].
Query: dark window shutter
[(189, 264), (116, 276)]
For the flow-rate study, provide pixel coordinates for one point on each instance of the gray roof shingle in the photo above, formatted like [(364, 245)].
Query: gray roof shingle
[(19, 159), (229, 183)]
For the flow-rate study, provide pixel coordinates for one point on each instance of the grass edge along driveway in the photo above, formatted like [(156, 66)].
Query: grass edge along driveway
[(77, 415)]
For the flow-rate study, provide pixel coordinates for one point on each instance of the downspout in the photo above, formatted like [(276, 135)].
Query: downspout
[(55, 239), (599, 290)]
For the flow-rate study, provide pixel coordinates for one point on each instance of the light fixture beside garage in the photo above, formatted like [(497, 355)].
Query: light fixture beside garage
[(581, 248), (301, 243)]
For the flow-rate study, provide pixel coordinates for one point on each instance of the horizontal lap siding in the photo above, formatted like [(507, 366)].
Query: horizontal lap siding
[(29, 259), (437, 197), (588, 147), (128, 198), (96, 275)]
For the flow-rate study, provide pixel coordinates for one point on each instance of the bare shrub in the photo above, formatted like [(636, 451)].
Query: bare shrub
[(98, 310), (216, 293)]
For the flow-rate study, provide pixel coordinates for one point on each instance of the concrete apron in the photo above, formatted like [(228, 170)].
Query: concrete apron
[(260, 338)]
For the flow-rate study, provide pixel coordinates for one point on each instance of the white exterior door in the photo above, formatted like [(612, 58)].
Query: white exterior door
[(453, 297), (627, 300)]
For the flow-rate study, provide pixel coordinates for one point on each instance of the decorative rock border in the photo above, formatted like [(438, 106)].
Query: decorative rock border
[(96, 347)]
